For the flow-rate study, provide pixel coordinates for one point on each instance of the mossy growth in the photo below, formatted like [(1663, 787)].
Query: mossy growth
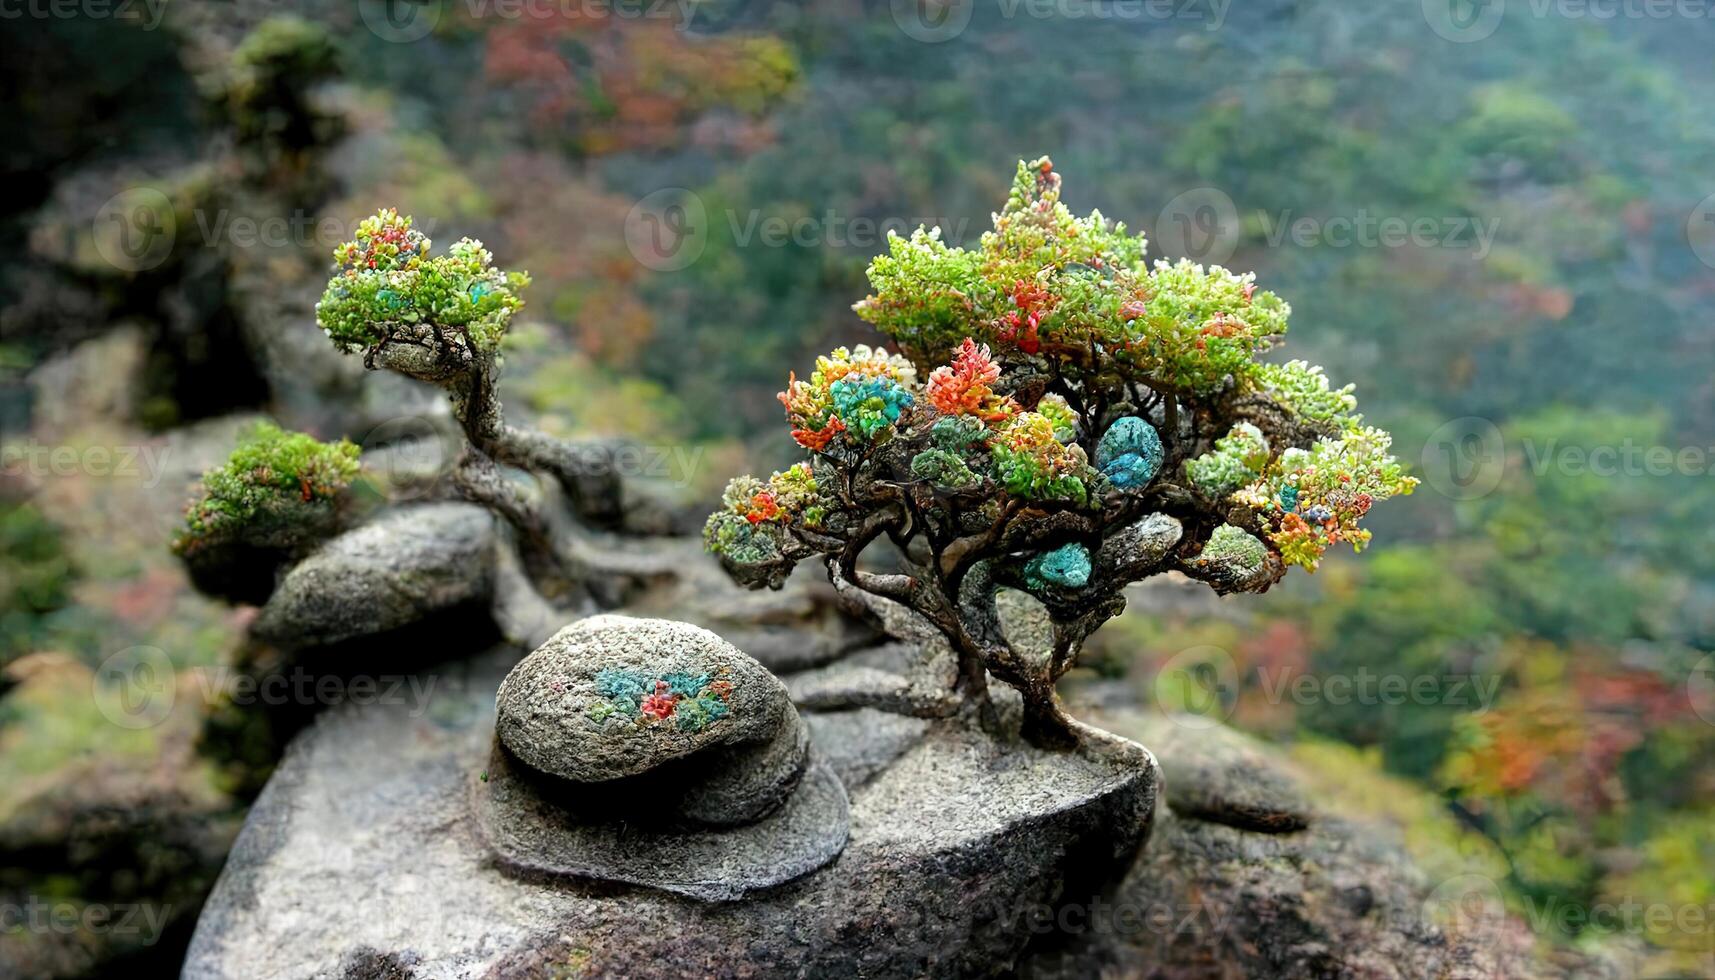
[(268, 80), (278, 489), (388, 288), (1237, 460), (36, 576), (1075, 292)]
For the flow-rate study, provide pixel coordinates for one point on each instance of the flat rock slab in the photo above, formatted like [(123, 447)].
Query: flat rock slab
[(533, 837), (363, 850)]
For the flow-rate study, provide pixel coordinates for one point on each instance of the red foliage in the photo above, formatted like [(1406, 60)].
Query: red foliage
[(962, 388)]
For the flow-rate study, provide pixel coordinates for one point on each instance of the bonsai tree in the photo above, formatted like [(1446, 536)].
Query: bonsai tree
[(1063, 420), (440, 319)]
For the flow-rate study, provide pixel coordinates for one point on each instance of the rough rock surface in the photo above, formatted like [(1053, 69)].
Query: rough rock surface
[(799, 627), (1243, 880), (535, 833), (902, 678), (387, 574), (370, 810), (1223, 776), (580, 706)]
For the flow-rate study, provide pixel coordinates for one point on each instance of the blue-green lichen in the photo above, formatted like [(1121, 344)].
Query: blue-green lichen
[(1129, 453), (1066, 567)]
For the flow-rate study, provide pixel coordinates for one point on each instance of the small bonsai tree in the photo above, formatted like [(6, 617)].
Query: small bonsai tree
[(441, 319), (1064, 421)]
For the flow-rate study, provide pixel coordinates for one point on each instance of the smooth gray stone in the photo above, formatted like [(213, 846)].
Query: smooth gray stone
[(868, 739), (399, 569)]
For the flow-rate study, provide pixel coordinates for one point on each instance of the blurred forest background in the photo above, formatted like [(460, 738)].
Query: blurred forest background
[(697, 189)]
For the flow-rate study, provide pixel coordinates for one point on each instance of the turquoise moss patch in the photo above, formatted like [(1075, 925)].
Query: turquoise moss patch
[(1066, 567), (1130, 453)]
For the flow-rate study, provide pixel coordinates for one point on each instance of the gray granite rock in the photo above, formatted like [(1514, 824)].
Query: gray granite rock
[(611, 696), (795, 628), (902, 678), (535, 832), (747, 783), (1221, 894), (397, 570), (951, 834), (868, 740), (1222, 775), (1138, 549)]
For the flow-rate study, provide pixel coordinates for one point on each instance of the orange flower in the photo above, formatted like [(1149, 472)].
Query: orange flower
[(817, 440), (962, 388)]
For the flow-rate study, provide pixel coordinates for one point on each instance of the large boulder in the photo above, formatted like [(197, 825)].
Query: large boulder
[(610, 697), (951, 829), (654, 753), (1246, 878)]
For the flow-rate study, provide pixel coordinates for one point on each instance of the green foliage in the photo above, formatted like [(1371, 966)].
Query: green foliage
[(1067, 305), (1234, 547), (388, 281), (1236, 461), (276, 487), (282, 45), (943, 469), (1031, 463), (1314, 498), (36, 574), (1303, 388), (1046, 283)]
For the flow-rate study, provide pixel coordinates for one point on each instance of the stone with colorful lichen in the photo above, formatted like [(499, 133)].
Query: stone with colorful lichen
[(625, 703)]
